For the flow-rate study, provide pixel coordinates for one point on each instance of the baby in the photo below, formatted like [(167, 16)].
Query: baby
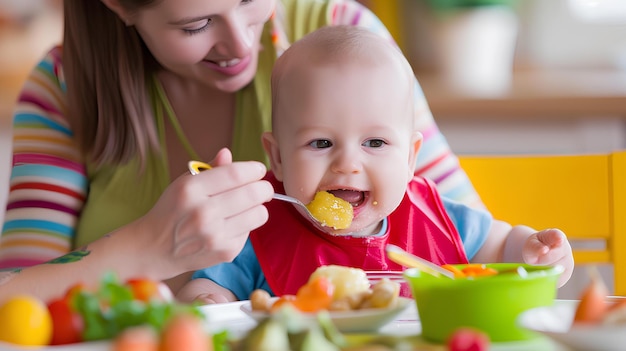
[(343, 123)]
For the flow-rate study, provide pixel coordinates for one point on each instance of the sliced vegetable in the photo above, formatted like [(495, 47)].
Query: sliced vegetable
[(471, 270), (315, 295), (592, 305), (457, 272)]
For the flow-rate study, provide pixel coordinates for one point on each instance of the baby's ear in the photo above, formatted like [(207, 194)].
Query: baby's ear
[(416, 144), (273, 151)]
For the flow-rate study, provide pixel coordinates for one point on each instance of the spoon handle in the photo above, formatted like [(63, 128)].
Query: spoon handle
[(404, 258), (282, 197)]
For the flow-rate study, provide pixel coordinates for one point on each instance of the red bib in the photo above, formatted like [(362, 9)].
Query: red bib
[(289, 248)]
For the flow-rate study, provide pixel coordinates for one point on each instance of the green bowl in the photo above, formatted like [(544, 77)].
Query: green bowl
[(490, 303)]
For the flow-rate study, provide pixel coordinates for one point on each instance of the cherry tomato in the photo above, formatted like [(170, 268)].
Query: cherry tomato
[(468, 339), (67, 324), (147, 289)]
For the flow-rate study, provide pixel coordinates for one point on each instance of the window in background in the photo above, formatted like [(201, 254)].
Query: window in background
[(603, 11)]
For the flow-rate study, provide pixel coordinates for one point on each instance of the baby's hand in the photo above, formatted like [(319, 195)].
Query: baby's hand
[(550, 247)]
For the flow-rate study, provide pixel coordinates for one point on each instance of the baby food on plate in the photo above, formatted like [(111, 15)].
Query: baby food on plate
[(331, 211), (335, 300), (333, 288)]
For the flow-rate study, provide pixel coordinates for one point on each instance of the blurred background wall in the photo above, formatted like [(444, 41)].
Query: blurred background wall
[(567, 78)]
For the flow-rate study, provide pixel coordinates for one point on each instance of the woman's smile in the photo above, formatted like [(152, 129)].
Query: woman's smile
[(231, 67)]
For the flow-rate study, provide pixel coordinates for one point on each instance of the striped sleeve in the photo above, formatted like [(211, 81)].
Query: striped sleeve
[(435, 161), (48, 182)]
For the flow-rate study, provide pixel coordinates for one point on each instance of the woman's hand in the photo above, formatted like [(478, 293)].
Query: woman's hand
[(199, 221), (204, 219)]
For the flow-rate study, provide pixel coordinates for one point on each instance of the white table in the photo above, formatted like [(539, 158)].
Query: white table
[(229, 316)]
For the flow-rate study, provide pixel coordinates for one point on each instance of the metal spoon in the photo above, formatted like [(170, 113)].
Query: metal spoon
[(195, 167), (404, 258)]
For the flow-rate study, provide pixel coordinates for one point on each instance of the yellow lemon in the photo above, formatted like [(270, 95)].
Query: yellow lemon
[(25, 320)]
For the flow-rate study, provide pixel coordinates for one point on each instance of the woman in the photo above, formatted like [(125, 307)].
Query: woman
[(106, 124)]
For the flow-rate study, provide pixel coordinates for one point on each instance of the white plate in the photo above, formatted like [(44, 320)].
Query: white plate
[(556, 322), (83, 346), (365, 320)]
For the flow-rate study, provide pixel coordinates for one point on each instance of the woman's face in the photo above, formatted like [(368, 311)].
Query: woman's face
[(214, 42)]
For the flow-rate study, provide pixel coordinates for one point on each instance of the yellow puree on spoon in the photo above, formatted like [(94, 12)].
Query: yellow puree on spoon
[(330, 210)]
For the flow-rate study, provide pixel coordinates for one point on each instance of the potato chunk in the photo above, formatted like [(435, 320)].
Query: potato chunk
[(347, 280)]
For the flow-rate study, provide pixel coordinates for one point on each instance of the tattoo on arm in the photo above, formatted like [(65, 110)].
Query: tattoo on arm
[(72, 256)]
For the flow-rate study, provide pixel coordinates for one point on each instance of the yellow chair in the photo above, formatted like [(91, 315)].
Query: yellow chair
[(388, 11), (584, 195)]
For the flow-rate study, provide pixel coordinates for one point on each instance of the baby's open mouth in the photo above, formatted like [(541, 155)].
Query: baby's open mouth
[(354, 197)]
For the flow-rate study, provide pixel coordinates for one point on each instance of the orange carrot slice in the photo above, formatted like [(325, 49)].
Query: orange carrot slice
[(315, 295), (478, 270), (592, 306), (457, 272)]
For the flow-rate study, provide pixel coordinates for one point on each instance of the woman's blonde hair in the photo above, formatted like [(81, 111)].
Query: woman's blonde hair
[(108, 70)]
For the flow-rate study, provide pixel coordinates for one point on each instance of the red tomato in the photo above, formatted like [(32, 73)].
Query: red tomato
[(147, 289), (67, 325), (468, 339)]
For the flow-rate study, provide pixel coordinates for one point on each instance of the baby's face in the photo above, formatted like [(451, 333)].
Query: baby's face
[(347, 129)]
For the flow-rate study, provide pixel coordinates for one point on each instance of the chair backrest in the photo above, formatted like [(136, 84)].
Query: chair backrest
[(584, 195)]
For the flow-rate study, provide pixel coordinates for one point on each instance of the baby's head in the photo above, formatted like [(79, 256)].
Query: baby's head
[(343, 121)]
